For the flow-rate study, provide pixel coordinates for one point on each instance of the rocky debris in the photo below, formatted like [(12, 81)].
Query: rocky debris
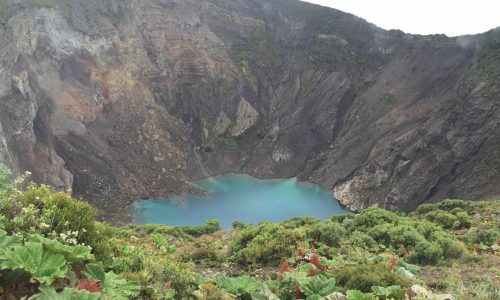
[(281, 154), (222, 124), (424, 293)]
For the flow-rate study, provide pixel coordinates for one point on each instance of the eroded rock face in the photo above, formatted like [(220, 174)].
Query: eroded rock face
[(120, 100), (222, 124), (246, 116)]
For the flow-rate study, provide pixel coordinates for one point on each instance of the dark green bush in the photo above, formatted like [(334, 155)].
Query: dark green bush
[(448, 205), (463, 220), (267, 244), (371, 217), (176, 231), (452, 248), (237, 225), (299, 221), (456, 219), (342, 218), (426, 228), (482, 236), (445, 219), (211, 227), (328, 233), (362, 240), (363, 276), (395, 236), (426, 253)]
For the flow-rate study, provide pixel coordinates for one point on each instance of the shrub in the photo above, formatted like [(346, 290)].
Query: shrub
[(450, 204), (210, 227), (395, 236), (371, 217), (363, 276), (266, 244), (482, 236), (456, 249), (361, 239), (426, 253), (53, 213), (152, 266), (328, 233), (425, 208), (237, 225), (446, 205), (426, 228), (452, 248), (299, 221), (6, 182), (463, 220), (342, 218), (445, 219)]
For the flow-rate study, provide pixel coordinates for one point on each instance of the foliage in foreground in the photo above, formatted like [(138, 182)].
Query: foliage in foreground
[(51, 247)]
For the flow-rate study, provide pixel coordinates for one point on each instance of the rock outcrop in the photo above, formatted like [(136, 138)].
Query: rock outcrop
[(120, 100)]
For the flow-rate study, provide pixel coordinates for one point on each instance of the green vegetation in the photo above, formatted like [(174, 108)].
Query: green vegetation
[(36, 3), (3, 12), (388, 99), (113, 17), (51, 247), (258, 53), (42, 3), (258, 48)]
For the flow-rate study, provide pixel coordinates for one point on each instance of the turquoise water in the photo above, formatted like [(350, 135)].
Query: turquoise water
[(243, 198)]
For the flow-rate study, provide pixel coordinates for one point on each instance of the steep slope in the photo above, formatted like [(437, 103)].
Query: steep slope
[(125, 99)]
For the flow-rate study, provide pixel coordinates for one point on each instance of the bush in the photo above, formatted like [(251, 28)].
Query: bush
[(447, 205), (395, 236), (450, 204), (456, 249), (362, 240), (6, 182), (456, 219), (57, 214), (463, 220), (426, 253), (299, 222), (363, 276), (445, 219), (426, 228), (211, 227), (342, 218), (267, 244), (328, 233), (237, 225), (482, 236), (371, 217)]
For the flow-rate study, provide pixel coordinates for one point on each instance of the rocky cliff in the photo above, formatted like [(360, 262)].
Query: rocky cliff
[(120, 100)]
